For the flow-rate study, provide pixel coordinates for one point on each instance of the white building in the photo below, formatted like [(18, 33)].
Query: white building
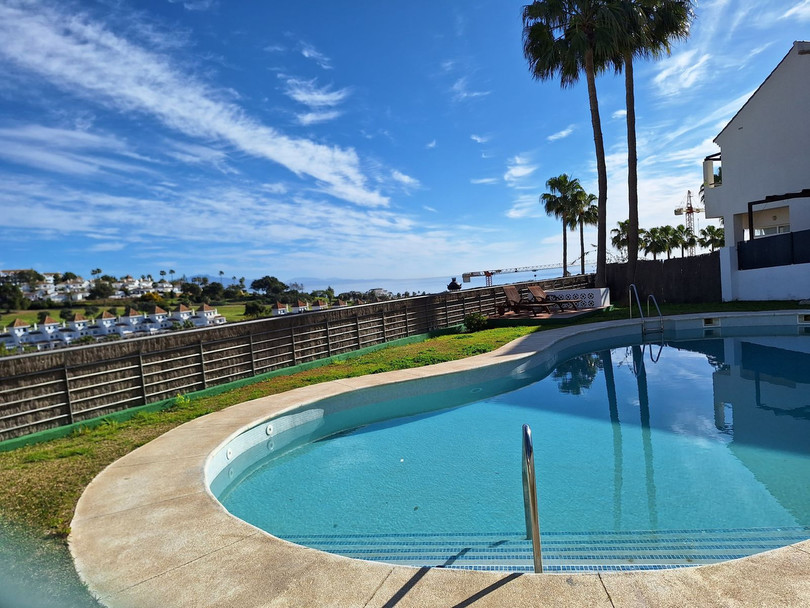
[(763, 191)]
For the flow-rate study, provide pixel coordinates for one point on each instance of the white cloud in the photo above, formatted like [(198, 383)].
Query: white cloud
[(461, 91), (518, 168), (479, 139), (485, 180), (682, 72), (430, 145), (86, 59), (431, 209), (311, 118), (406, 180), (800, 12), (308, 93), (310, 52), (561, 134), (619, 113)]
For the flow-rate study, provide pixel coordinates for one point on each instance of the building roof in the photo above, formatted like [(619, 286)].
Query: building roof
[(20, 323), (131, 312), (50, 321), (207, 308), (157, 310), (79, 317), (801, 47), (107, 315), (183, 308)]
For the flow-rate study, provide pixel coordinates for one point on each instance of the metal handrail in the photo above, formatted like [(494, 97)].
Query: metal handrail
[(660, 316), (530, 499), (630, 291)]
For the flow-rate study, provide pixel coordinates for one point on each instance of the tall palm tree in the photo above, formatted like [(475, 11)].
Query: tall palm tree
[(171, 274), (561, 203), (712, 237), (684, 238), (655, 241), (563, 38), (648, 28), (586, 213), (618, 236)]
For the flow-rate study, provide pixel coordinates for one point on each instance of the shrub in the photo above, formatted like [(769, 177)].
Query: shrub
[(475, 322)]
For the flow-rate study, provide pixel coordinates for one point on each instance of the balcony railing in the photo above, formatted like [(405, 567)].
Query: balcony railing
[(777, 250)]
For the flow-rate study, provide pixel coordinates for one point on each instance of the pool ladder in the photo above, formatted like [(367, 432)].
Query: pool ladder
[(645, 326), (530, 499)]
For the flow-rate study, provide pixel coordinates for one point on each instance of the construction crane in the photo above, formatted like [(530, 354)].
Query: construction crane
[(490, 273), (689, 211)]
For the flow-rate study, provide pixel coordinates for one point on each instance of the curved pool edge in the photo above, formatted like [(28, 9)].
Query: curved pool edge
[(148, 532)]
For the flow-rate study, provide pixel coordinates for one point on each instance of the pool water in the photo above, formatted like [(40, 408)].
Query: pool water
[(646, 457)]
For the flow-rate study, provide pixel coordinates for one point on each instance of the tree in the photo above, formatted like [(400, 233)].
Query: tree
[(171, 274), (654, 241), (29, 277), (101, 290), (191, 290), (561, 202), (214, 291), (270, 285), (712, 237), (586, 213), (562, 38), (255, 310), (618, 237), (69, 276), (684, 237), (162, 275), (11, 297), (95, 272), (647, 29)]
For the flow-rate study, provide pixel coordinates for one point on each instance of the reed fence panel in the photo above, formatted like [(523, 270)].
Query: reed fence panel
[(39, 391)]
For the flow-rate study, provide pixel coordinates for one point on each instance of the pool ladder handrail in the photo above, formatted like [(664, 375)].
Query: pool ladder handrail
[(644, 328), (530, 499)]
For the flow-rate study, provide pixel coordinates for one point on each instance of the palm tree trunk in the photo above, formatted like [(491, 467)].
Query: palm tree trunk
[(582, 246), (601, 173), (565, 246), (632, 170)]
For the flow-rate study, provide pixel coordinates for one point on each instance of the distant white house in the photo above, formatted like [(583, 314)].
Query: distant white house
[(762, 188), (279, 309)]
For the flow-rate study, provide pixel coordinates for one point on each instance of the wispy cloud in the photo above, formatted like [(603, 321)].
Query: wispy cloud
[(619, 114), (310, 94), (479, 139), (431, 144), (486, 180), (682, 72), (405, 180), (311, 118), (561, 134), (310, 52), (85, 58), (461, 90), (518, 168), (196, 5), (801, 12)]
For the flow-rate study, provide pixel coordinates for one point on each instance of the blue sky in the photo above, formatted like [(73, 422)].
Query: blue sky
[(334, 139)]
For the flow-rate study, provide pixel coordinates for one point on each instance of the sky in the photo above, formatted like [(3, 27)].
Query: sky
[(319, 139)]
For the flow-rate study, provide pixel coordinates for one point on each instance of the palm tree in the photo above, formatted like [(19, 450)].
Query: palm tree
[(585, 213), (562, 38), (712, 237), (561, 203), (171, 274), (648, 28), (618, 236), (654, 241), (670, 239), (684, 238)]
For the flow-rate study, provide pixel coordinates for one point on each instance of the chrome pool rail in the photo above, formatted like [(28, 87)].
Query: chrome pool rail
[(644, 329), (530, 499)]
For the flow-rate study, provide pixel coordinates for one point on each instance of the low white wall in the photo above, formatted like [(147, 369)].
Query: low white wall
[(776, 283), (588, 298)]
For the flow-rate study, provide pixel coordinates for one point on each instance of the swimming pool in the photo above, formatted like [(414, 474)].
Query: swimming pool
[(664, 489)]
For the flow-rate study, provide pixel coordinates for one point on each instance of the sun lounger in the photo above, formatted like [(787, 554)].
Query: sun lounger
[(516, 303), (541, 297)]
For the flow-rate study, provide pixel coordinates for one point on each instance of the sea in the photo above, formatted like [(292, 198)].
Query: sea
[(416, 286)]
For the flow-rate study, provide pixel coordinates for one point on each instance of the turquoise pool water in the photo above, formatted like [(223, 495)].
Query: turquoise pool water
[(646, 457)]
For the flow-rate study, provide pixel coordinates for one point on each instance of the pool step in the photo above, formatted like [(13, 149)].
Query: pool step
[(562, 552)]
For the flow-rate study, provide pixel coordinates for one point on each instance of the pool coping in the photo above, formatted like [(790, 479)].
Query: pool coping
[(148, 532)]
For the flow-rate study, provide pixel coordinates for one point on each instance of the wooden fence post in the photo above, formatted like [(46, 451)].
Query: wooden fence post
[(143, 379), (67, 393), (328, 340), (252, 355), (292, 342), (357, 328), (202, 365), (385, 339)]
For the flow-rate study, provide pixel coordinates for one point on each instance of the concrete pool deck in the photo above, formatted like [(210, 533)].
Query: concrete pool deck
[(147, 532)]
